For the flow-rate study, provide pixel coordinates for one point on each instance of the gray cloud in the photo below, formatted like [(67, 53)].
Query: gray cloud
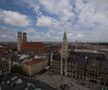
[(14, 18), (7, 34), (86, 20)]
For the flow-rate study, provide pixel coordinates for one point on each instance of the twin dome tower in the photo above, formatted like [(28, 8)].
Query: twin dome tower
[(21, 37)]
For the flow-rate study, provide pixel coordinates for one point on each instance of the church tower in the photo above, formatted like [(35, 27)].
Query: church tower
[(19, 41), (24, 37), (64, 55)]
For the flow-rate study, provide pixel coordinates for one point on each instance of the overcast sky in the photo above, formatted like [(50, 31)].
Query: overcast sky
[(45, 20)]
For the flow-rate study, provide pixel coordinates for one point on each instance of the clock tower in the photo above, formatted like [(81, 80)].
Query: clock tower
[(64, 55)]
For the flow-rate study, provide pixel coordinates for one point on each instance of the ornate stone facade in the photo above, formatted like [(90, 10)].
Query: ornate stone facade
[(86, 65), (64, 55)]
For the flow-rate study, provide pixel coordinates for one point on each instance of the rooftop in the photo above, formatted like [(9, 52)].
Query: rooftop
[(33, 45), (83, 59), (33, 61), (86, 50)]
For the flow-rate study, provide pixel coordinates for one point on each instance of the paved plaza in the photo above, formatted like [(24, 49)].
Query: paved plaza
[(62, 82)]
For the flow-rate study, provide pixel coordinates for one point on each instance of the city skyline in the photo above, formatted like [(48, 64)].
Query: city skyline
[(45, 20)]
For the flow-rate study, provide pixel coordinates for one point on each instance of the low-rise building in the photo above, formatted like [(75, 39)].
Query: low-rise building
[(34, 65)]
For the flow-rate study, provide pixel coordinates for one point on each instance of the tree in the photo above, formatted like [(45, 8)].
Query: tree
[(17, 69)]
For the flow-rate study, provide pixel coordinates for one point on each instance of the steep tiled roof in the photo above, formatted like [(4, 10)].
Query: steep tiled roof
[(33, 45), (84, 59)]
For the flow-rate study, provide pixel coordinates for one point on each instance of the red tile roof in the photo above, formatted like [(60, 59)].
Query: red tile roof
[(33, 45)]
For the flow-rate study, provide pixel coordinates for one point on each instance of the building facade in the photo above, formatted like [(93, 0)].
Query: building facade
[(5, 66), (83, 64), (34, 65)]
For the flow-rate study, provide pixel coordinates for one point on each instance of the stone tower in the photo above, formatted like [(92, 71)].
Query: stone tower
[(19, 41), (24, 37), (64, 55)]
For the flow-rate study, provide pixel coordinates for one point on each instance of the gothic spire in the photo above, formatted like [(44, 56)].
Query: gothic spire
[(65, 35)]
